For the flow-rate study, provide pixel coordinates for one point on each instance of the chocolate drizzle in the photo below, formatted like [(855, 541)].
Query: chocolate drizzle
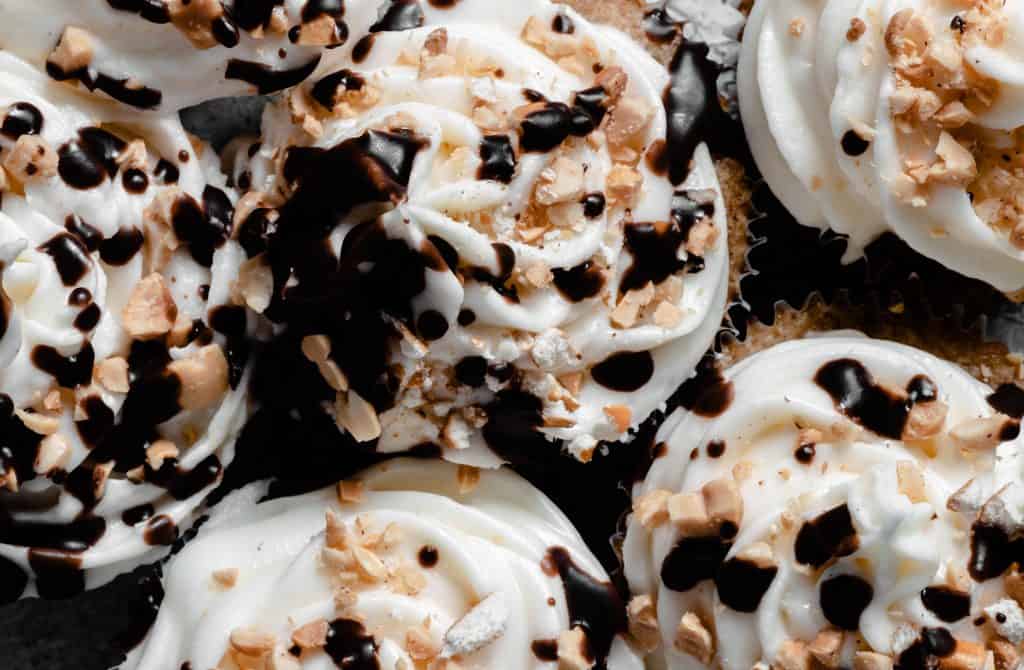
[(580, 283), (593, 605), (350, 646), (69, 255), (22, 118), (843, 599), (399, 15), (498, 158), (625, 371), (655, 247), (86, 162), (873, 406), (125, 90), (742, 584), (265, 78), (826, 537), (947, 603)]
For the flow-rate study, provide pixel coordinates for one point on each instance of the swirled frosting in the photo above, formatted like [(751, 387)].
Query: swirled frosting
[(170, 54), (413, 564), (119, 403), (836, 501), (491, 187), (868, 117)]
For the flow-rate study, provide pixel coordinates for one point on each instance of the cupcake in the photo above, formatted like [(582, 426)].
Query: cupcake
[(169, 54), (862, 509), (412, 564), (479, 235), (121, 359), (889, 117)]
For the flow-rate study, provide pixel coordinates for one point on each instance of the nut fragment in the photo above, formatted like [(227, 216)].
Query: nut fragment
[(651, 509), (312, 635), (420, 644), (195, 19), (31, 158), (357, 416), (316, 348), (573, 651), (643, 622), (160, 451), (73, 52), (369, 565), (1005, 654), (966, 656), (52, 454), (925, 420), (978, 435), (623, 184), (869, 660), (560, 182), (794, 655), (256, 283), (911, 481), (113, 374), (826, 647), (150, 311), (694, 639), (350, 491), (203, 377), (226, 577), (252, 641), (718, 504), (40, 424), (702, 236), (620, 415)]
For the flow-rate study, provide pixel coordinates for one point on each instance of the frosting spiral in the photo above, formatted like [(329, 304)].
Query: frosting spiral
[(836, 501), (416, 564), (119, 403), (540, 264), (893, 115), (170, 54)]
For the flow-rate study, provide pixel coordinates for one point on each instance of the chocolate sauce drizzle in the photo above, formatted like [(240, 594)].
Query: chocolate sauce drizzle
[(873, 406)]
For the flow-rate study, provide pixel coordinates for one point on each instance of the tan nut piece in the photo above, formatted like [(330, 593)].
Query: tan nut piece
[(113, 374), (794, 655), (643, 622), (694, 639), (925, 420), (827, 646), (150, 311), (203, 377), (651, 509), (73, 52), (869, 660), (312, 635), (357, 416), (980, 435), (30, 159), (252, 641), (572, 650), (53, 453)]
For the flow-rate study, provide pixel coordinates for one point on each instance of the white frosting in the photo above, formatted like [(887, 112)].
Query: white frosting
[(903, 546), (804, 85), (156, 55), (40, 315), (546, 335), (490, 544)]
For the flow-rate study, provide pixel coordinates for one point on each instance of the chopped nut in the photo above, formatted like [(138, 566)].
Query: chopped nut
[(911, 481), (350, 491), (113, 374), (31, 158), (357, 416), (281, 659), (321, 31), (957, 165), (539, 275), (40, 424), (978, 435), (150, 311), (759, 554), (723, 502), (256, 283), (468, 478), (614, 81), (226, 577), (409, 580), (623, 184), (572, 650), (966, 656), (857, 29), (369, 566), (702, 237), (826, 647), (434, 59), (689, 514), (572, 382), (53, 453), (100, 475), (203, 377), (628, 119), (53, 402), (1005, 654), (925, 420), (643, 622), (627, 313), (420, 644), (1013, 582), (869, 660), (73, 52), (667, 315), (312, 635), (344, 598), (333, 375), (794, 655), (337, 535), (195, 19), (160, 451), (694, 639), (651, 509), (252, 641), (316, 348), (560, 182), (620, 415), (954, 115)]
